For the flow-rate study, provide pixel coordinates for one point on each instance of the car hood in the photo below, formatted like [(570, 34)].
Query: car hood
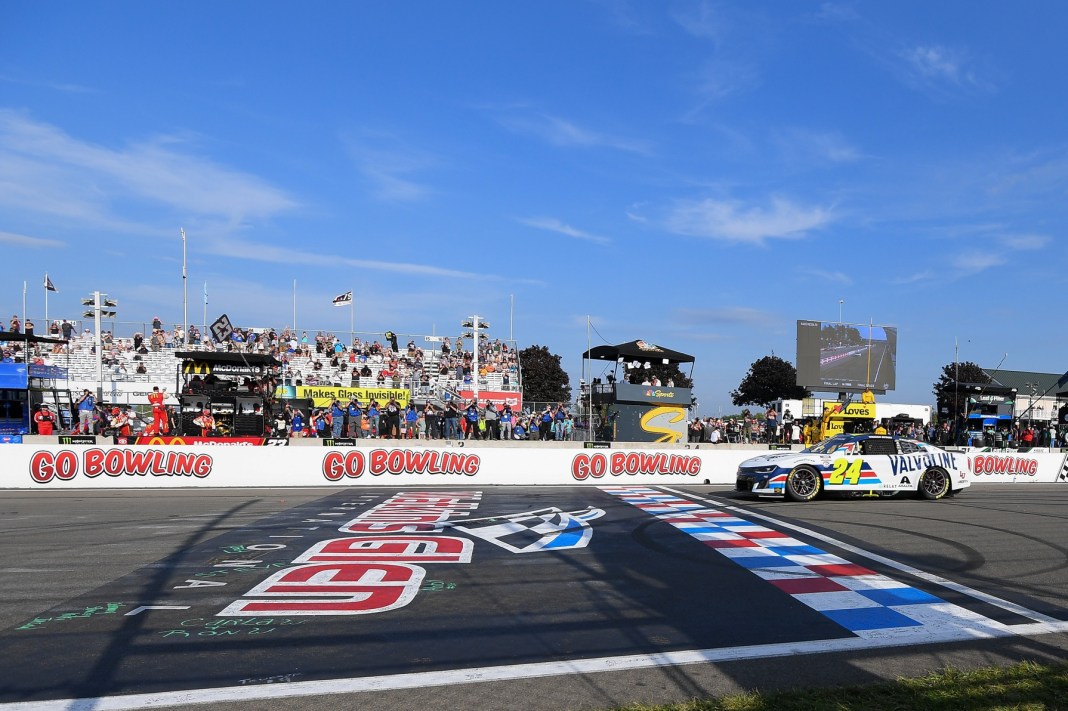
[(778, 460)]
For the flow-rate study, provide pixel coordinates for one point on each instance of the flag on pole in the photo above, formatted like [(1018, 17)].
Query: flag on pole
[(343, 299), (49, 286)]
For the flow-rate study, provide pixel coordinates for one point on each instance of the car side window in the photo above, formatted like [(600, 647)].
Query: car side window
[(878, 446), (908, 447)]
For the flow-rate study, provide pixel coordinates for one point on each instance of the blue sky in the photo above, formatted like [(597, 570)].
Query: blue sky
[(699, 175)]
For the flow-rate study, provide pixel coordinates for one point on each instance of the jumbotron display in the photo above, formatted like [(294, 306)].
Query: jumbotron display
[(846, 356)]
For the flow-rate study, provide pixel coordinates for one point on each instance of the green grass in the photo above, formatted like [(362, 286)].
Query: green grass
[(1024, 687)]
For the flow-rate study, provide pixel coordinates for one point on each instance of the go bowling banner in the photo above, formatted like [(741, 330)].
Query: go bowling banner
[(163, 465)]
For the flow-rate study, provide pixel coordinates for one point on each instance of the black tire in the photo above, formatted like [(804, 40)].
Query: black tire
[(935, 484), (803, 484)]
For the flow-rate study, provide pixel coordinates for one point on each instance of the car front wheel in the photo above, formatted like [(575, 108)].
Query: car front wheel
[(934, 484), (803, 484)]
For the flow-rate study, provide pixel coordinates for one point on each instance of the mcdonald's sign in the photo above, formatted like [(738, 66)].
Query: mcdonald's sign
[(158, 440), (200, 367)]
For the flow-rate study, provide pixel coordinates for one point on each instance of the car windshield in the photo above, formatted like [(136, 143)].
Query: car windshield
[(829, 445)]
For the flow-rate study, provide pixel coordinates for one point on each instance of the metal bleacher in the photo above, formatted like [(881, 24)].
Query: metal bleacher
[(162, 367)]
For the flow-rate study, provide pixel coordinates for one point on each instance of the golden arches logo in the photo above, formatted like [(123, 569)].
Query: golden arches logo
[(667, 416), (164, 440), (196, 367)]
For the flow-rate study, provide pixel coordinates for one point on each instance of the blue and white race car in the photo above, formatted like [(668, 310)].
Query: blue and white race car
[(857, 464)]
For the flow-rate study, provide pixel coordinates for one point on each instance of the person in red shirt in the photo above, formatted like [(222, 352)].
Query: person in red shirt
[(205, 422), (120, 422), (159, 425), (45, 420)]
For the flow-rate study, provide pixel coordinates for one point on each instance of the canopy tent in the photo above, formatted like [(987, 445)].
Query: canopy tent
[(253, 359), (12, 337), (642, 351)]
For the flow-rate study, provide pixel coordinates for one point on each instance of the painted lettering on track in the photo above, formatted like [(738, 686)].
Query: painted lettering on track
[(371, 572)]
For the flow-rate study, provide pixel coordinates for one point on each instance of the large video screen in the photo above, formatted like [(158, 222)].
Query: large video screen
[(846, 356)]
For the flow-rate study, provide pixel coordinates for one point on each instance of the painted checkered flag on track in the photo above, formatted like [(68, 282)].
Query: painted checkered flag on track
[(548, 529)]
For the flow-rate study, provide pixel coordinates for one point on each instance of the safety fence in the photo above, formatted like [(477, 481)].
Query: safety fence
[(160, 464)]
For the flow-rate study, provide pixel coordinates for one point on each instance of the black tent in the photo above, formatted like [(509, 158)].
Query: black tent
[(211, 357), (641, 351), (13, 337)]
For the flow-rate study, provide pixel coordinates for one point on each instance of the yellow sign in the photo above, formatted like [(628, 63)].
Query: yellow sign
[(323, 396), (659, 420), (832, 428), (854, 410)]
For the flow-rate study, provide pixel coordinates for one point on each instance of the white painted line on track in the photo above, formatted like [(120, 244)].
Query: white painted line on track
[(902, 567), (476, 675)]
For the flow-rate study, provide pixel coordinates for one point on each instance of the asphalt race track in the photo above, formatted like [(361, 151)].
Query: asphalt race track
[(548, 597)]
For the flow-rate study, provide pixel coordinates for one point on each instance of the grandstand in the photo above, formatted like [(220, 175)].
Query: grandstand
[(429, 370)]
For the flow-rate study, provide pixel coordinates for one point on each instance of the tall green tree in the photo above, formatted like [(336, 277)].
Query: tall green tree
[(951, 398), (544, 379), (769, 379)]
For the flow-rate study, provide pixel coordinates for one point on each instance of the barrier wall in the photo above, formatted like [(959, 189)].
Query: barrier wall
[(49, 466)]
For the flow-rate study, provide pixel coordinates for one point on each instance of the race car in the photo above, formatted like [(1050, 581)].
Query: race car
[(857, 465)]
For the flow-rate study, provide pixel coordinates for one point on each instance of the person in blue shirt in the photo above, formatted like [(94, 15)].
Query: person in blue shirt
[(355, 413), (545, 423), (338, 414), (374, 415), (296, 424), (411, 419), (320, 424), (558, 422), (471, 414), (86, 404), (507, 422)]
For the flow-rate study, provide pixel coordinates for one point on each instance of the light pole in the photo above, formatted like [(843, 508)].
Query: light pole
[(474, 323), (840, 302), (1032, 390), (99, 306), (185, 294)]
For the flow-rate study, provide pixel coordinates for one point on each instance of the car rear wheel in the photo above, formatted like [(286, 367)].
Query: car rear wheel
[(934, 484), (803, 484)]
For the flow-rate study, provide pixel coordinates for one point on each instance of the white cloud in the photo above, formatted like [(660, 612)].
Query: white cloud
[(939, 69), (26, 241), (837, 12), (704, 20), (914, 278), (828, 276), (232, 247), (566, 134), (552, 224), (716, 80), (1025, 242), (64, 87), (389, 165), (45, 170), (934, 62), (815, 146), (974, 262), (732, 221), (737, 315)]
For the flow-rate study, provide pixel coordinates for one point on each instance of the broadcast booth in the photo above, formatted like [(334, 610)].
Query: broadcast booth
[(237, 388), (25, 387), (630, 411)]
